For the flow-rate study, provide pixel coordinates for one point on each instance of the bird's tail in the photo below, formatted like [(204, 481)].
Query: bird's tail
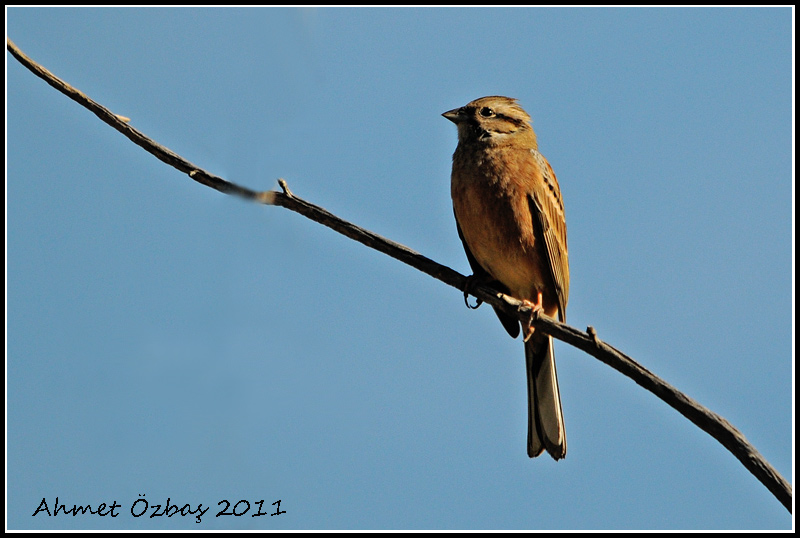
[(545, 419)]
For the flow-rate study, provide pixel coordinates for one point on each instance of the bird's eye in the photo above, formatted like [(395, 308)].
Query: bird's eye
[(486, 112)]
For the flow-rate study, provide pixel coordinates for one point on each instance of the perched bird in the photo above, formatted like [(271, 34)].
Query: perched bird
[(510, 218)]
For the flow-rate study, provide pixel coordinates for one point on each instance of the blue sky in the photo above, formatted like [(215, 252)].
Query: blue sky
[(167, 341)]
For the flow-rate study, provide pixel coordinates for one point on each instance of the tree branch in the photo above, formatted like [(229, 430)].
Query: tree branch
[(713, 424)]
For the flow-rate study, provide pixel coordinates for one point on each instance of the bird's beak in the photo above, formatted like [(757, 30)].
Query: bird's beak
[(456, 115)]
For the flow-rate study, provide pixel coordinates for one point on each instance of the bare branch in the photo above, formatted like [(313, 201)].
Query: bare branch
[(713, 424)]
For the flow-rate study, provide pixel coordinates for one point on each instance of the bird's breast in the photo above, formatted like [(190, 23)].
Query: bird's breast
[(490, 201)]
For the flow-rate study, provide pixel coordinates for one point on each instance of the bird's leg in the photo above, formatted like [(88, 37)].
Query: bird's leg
[(472, 281), (536, 309)]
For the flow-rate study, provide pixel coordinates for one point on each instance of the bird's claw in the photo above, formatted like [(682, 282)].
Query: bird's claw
[(472, 281), (536, 311)]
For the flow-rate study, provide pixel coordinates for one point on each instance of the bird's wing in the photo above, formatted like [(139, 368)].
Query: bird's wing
[(547, 208)]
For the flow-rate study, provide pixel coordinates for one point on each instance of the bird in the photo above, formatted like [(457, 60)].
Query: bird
[(510, 218)]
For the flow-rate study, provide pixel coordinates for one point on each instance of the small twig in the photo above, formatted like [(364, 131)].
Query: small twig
[(593, 334), (285, 187), (708, 421)]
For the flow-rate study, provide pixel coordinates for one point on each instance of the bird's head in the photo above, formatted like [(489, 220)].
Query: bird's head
[(493, 120)]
